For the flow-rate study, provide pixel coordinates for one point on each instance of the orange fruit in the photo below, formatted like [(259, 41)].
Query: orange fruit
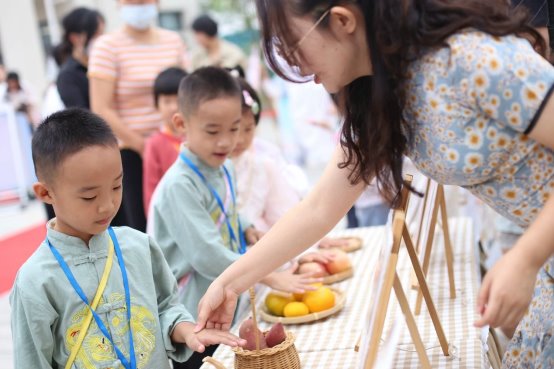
[(276, 303), (296, 308), (300, 296), (319, 300)]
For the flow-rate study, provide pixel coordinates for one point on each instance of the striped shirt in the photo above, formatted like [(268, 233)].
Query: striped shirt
[(133, 66)]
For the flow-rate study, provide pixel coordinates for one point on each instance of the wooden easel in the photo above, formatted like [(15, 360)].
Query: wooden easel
[(434, 204), (391, 281)]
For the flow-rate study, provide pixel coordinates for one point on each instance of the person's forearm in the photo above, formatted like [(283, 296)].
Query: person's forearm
[(269, 253), (181, 331), (537, 243), (123, 133), (300, 228)]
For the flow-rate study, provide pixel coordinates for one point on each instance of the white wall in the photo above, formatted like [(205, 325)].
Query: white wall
[(22, 49)]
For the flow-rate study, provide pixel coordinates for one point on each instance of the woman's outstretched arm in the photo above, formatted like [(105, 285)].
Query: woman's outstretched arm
[(300, 228)]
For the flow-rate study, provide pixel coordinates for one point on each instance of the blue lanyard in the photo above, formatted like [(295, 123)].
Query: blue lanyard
[(78, 289), (240, 241)]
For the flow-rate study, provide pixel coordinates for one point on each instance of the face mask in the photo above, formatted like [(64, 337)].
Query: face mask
[(139, 17)]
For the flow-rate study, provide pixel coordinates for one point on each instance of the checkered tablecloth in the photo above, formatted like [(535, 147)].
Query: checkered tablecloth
[(330, 343)]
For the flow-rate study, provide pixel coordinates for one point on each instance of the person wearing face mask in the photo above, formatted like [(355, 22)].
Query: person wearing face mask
[(122, 69), (81, 27)]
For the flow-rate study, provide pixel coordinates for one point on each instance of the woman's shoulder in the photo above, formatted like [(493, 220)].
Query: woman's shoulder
[(471, 47), (469, 51), (471, 41)]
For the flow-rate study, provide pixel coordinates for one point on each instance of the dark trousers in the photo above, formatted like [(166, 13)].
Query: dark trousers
[(351, 218), (195, 361), (131, 212)]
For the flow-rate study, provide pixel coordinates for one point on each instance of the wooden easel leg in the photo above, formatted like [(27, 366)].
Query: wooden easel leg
[(424, 288), (427, 255), (414, 284), (447, 242), (418, 240), (381, 314), (492, 354), (410, 321)]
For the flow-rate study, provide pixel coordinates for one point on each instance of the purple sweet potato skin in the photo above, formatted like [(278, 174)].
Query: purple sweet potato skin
[(247, 333), (276, 335)]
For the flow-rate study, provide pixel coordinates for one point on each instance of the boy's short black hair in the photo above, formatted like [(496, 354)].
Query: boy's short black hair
[(167, 82), (64, 133), (205, 24), (205, 84)]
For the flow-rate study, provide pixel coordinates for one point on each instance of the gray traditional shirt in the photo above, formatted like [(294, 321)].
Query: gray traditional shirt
[(186, 221)]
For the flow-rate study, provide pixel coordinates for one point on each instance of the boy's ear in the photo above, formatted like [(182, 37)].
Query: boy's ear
[(178, 121), (43, 193)]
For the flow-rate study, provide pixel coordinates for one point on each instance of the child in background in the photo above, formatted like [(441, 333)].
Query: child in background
[(75, 304), (162, 148), (265, 182), (194, 213), (264, 193)]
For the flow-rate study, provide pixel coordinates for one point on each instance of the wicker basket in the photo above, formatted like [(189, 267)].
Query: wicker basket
[(338, 277), (282, 356), (340, 300), (354, 244)]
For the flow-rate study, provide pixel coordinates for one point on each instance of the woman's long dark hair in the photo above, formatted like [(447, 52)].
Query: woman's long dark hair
[(374, 136), (79, 20)]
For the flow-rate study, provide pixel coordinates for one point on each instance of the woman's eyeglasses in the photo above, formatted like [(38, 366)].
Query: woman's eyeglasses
[(312, 28)]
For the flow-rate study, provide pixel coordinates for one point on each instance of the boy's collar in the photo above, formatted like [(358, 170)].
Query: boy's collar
[(62, 241)]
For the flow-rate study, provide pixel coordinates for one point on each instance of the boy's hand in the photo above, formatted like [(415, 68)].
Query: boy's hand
[(327, 243), (287, 281), (318, 257), (184, 333), (252, 235)]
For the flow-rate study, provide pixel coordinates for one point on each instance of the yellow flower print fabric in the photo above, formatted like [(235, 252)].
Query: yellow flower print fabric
[(469, 106)]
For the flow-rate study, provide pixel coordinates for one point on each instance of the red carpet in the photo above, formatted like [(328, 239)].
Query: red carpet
[(15, 250)]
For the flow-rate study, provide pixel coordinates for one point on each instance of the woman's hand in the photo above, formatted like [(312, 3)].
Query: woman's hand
[(507, 290), (217, 308)]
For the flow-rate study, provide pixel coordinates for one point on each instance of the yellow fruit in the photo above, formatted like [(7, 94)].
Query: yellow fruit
[(319, 300), (296, 309), (276, 303), (300, 296)]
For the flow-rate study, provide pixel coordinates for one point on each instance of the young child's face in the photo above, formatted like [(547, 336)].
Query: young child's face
[(168, 105), (86, 191), (212, 131), (247, 133)]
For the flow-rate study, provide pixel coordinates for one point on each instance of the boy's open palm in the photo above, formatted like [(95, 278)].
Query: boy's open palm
[(184, 332), (207, 337)]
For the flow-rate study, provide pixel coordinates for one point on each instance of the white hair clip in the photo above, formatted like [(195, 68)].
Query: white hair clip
[(249, 101)]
